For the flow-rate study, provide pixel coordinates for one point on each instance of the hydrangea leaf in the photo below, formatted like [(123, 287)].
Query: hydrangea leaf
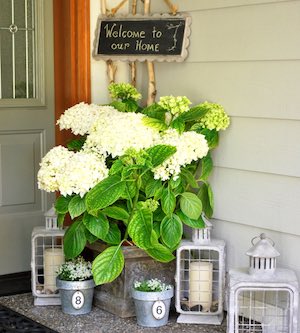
[(171, 230), (206, 199), (140, 228), (178, 124), (104, 194), (62, 204), (160, 153), (74, 240), (207, 166), (194, 113), (189, 178), (151, 187), (114, 235), (90, 237), (108, 265), (160, 253), (158, 124), (168, 201), (190, 205), (199, 223), (155, 111), (116, 213), (98, 226), (76, 206)]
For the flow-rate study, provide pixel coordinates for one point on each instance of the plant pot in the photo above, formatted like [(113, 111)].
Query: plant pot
[(152, 308), (76, 296), (115, 297)]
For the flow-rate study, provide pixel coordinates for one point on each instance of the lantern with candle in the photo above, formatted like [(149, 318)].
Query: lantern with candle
[(200, 278), (262, 298), (46, 256)]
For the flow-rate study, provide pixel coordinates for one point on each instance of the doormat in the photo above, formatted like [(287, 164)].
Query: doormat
[(13, 322)]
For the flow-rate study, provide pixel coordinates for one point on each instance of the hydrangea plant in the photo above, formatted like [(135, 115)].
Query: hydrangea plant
[(75, 270), (135, 174), (152, 285)]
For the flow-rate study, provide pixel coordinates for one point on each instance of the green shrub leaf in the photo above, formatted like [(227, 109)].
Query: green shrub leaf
[(168, 201), (189, 178), (151, 187), (140, 228), (207, 166), (74, 240), (160, 153), (104, 194), (76, 206), (98, 226), (171, 230), (190, 205), (199, 223), (116, 213), (157, 124), (155, 111), (160, 253), (62, 204), (206, 199), (114, 235), (194, 113), (108, 265)]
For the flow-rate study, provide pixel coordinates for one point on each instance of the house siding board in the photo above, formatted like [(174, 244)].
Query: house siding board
[(246, 56)]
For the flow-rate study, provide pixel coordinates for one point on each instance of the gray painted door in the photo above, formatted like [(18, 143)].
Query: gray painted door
[(26, 124)]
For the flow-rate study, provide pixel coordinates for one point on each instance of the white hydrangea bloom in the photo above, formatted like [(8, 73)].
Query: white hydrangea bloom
[(115, 132), (80, 117), (190, 146), (51, 167), (68, 172), (83, 172)]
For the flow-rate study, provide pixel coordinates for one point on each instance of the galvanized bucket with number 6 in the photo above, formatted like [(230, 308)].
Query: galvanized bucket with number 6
[(76, 296), (152, 308)]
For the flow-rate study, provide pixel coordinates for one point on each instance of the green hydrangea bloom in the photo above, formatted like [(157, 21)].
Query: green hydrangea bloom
[(216, 118), (150, 204), (175, 105), (123, 91)]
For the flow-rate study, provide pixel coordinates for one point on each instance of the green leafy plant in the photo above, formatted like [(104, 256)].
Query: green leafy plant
[(152, 285), (135, 174)]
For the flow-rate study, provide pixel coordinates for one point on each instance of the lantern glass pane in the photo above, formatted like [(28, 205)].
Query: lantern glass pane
[(199, 281), (263, 310)]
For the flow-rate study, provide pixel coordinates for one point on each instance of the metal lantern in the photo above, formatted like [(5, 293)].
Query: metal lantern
[(46, 256), (262, 298), (200, 278)]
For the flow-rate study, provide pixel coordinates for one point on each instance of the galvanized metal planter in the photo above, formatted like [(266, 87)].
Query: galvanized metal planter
[(76, 296), (152, 308)]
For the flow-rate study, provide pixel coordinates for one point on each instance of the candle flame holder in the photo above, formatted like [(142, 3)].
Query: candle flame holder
[(46, 256), (200, 278)]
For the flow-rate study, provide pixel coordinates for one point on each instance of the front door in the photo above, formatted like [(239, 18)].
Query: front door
[(26, 124)]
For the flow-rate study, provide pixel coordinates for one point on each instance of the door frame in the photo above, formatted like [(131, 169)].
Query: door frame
[(72, 58)]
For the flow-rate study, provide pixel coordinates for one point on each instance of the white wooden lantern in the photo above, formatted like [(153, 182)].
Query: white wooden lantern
[(46, 256), (200, 278), (262, 298)]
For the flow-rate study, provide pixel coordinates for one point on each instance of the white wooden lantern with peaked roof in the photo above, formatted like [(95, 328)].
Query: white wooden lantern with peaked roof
[(262, 297), (46, 256), (200, 278)]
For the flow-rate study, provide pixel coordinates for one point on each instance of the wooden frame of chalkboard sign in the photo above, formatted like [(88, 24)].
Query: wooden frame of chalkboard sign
[(159, 37)]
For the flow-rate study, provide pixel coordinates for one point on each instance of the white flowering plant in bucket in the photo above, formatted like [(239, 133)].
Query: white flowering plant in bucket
[(77, 269), (152, 285), (134, 174)]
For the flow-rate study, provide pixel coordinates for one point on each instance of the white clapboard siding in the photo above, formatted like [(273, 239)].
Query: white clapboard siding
[(259, 199), (246, 89), (265, 32), (264, 145), (194, 5)]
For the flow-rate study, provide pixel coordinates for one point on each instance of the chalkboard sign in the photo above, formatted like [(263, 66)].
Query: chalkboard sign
[(157, 37)]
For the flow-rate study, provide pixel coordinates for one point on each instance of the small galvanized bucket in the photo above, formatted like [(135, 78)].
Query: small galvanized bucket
[(76, 296), (152, 308)]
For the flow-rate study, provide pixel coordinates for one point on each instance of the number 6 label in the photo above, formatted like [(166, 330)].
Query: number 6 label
[(77, 300), (158, 310)]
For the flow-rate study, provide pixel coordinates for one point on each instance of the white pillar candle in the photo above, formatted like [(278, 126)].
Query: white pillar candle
[(53, 258), (201, 284)]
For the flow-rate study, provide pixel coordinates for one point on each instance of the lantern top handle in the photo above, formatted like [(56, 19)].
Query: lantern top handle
[(261, 237)]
